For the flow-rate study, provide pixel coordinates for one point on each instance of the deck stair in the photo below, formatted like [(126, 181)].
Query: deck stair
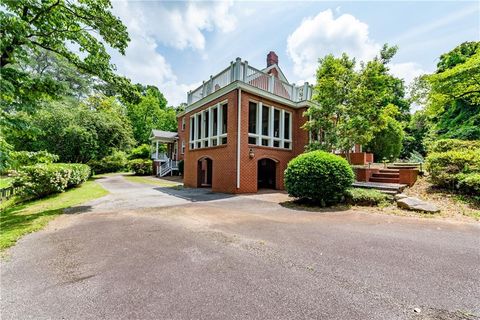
[(386, 176), (387, 188)]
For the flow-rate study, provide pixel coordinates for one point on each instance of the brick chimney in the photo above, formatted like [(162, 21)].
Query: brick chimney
[(272, 58)]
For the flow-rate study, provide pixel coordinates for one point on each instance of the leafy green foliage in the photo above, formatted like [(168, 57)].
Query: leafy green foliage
[(444, 145), (387, 143), (52, 25), (469, 183), (445, 168), (141, 167), (150, 113), (350, 102), (75, 132), (365, 197), (181, 166), (26, 158), (318, 176), (116, 162), (43, 179), (415, 132), (143, 151), (453, 94)]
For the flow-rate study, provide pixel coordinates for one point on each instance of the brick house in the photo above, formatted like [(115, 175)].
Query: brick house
[(239, 130)]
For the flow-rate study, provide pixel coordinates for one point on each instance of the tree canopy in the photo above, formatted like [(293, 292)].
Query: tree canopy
[(350, 102)]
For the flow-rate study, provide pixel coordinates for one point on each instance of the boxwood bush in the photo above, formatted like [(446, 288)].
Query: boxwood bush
[(141, 167), (469, 183), (115, 162), (444, 145), (318, 176), (445, 167), (43, 179), (365, 197)]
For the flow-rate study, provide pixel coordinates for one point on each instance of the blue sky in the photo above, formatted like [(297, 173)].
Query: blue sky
[(176, 45)]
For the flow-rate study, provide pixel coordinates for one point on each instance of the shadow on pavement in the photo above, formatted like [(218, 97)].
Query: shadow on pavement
[(194, 194), (77, 210)]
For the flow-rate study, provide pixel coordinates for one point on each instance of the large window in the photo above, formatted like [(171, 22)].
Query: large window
[(208, 128), (269, 126)]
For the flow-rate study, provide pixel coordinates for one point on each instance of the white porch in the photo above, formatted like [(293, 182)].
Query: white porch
[(164, 152)]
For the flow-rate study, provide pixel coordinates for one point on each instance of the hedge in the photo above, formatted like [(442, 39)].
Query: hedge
[(141, 167), (469, 183), (27, 158), (444, 145), (445, 167), (365, 197), (115, 162), (318, 176), (43, 179)]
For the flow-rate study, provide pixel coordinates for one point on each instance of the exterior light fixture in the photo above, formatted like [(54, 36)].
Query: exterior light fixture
[(251, 154)]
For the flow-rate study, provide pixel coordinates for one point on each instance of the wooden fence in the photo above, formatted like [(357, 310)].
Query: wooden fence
[(7, 193)]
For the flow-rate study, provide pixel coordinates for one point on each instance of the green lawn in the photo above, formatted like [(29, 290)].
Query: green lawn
[(151, 180), (31, 216), (5, 182)]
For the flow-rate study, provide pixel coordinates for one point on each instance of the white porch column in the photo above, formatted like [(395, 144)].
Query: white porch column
[(156, 150)]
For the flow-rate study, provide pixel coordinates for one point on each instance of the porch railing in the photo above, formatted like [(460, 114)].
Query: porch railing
[(241, 71)]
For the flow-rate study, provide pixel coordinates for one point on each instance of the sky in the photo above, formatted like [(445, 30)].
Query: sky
[(175, 45)]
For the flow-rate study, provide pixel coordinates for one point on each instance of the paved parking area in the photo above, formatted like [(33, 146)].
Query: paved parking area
[(145, 252)]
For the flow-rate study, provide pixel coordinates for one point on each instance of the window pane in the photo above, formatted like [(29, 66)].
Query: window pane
[(192, 129), (192, 146), (276, 123), (264, 142), (199, 126), (265, 117), (252, 117), (224, 140), (287, 126), (276, 143), (286, 145), (206, 143), (215, 122), (224, 118), (199, 144), (252, 140), (214, 142), (207, 123)]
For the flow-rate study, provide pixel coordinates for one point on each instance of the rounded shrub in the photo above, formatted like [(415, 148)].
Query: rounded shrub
[(141, 167), (318, 176)]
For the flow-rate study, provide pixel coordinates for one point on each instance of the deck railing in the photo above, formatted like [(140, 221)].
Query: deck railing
[(241, 71)]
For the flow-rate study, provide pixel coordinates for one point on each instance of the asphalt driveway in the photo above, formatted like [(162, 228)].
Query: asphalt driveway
[(146, 252)]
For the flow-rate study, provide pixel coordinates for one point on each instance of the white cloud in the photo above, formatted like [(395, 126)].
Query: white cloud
[(407, 71), (182, 25), (150, 24), (324, 34)]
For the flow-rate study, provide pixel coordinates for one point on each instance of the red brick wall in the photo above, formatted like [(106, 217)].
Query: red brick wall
[(225, 157)]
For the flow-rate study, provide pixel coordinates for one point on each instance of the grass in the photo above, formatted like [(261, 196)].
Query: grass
[(20, 219), (152, 181), (5, 182)]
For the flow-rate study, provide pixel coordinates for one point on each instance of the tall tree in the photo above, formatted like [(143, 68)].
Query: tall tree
[(453, 99), (150, 113), (350, 102)]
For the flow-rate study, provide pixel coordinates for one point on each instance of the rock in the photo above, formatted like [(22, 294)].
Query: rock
[(411, 203), (400, 196)]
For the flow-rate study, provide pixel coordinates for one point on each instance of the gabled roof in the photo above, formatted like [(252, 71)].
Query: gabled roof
[(280, 73), (163, 136)]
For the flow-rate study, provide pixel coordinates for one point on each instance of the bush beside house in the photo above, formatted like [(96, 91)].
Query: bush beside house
[(318, 176), (115, 162), (141, 167)]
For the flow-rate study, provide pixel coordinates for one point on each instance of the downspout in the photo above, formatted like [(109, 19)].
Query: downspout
[(238, 135)]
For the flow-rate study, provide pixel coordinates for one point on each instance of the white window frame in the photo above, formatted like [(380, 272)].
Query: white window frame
[(211, 140), (270, 137), (183, 147), (183, 124)]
